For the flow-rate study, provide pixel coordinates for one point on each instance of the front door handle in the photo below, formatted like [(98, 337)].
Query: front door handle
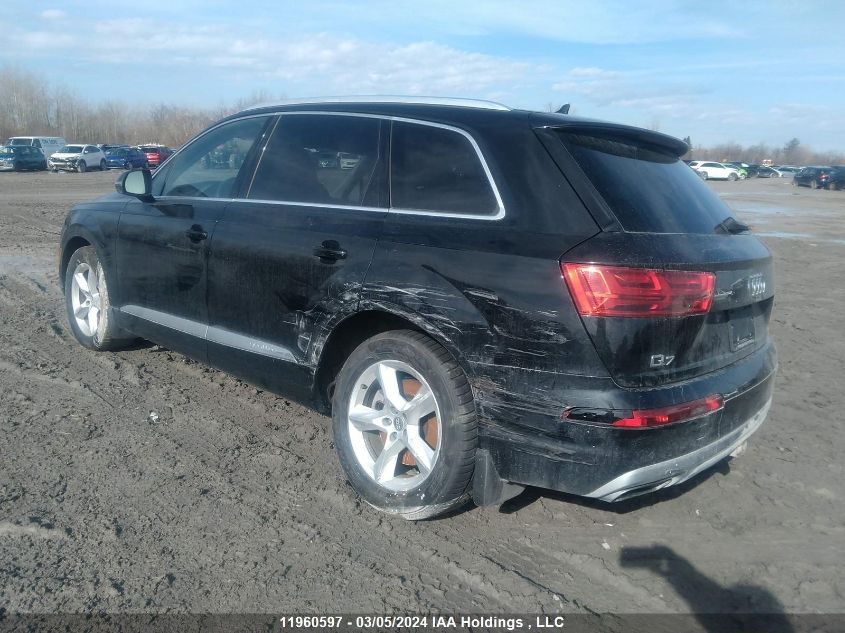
[(196, 233), (330, 251)]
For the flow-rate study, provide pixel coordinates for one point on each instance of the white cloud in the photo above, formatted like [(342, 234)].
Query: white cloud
[(337, 64), (52, 14)]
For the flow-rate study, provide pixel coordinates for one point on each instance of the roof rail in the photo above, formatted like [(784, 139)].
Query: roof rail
[(445, 101)]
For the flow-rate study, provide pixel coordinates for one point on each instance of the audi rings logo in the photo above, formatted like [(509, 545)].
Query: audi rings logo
[(756, 286)]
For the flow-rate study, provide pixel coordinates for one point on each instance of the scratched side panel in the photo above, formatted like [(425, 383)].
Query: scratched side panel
[(507, 318)]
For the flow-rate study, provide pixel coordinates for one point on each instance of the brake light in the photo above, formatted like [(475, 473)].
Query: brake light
[(676, 413), (616, 291)]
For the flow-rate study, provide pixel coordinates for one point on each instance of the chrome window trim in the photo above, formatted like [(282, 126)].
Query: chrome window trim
[(500, 212)]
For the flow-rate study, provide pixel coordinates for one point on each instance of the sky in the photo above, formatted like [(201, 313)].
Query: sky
[(746, 71)]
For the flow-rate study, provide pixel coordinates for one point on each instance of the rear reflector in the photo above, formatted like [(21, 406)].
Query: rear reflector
[(675, 413), (616, 291)]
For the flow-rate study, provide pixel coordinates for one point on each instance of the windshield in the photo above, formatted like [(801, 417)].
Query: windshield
[(20, 141), (7, 150), (115, 152), (71, 149), (648, 188)]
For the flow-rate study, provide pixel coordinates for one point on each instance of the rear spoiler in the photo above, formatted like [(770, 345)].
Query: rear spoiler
[(623, 132)]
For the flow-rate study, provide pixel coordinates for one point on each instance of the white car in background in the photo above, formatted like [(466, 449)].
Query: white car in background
[(78, 157), (708, 169)]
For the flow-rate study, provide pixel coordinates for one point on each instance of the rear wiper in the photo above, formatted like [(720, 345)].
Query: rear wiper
[(731, 226)]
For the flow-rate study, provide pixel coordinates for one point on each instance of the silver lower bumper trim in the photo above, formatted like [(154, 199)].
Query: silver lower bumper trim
[(679, 469)]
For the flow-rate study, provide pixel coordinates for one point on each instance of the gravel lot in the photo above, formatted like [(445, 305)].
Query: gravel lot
[(233, 501)]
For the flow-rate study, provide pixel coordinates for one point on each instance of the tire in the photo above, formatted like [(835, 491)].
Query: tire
[(42, 166), (103, 165), (81, 167), (127, 165), (442, 433), (99, 332), (704, 175), (732, 177), (17, 167)]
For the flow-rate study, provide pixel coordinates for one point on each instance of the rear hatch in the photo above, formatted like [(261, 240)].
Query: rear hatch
[(674, 287)]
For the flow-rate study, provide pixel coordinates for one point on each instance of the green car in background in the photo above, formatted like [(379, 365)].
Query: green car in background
[(20, 157), (741, 168)]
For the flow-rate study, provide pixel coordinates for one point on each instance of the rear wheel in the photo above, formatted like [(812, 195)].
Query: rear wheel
[(704, 175), (87, 302), (405, 426), (103, 165)]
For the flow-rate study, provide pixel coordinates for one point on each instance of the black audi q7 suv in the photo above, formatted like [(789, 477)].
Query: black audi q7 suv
[(482, 298)]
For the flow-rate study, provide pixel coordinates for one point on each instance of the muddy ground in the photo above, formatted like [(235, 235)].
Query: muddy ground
[(233, 501)]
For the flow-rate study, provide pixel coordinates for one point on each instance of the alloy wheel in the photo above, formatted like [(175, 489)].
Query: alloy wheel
[(85, 299), (394, 425)]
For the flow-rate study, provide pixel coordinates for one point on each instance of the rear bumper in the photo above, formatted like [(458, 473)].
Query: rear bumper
[(678, 470), (609, 463)]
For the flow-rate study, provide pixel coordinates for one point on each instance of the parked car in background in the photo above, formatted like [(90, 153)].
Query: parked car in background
[(717, 171), (741, 169), (597, 324), (812, 177), (787, 169), (836, 181), (47, 144), (125, 158), (21, 157), (156, 154), (768, 172), (107, 147), (78, 157)]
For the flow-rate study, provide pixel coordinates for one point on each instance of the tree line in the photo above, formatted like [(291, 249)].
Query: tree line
[(29, 105), (792, 153)]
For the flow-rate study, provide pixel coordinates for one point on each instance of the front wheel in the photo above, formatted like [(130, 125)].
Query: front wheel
[(704, 175), (87, 302), (81, 167), (405, 426), (103, 165), (732, 177)]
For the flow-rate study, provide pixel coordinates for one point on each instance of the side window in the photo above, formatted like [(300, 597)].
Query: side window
[(208, 167), (318, 158), (435, 169), (37, 143)]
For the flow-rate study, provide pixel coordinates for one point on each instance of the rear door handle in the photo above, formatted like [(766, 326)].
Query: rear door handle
[(331, 253), (196, 233)]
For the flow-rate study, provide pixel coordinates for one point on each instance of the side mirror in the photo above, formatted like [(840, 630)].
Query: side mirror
[(137, 183)]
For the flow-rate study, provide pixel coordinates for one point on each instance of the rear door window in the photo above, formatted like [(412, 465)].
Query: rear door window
[(648, 188), (438, 169), (320, 159)]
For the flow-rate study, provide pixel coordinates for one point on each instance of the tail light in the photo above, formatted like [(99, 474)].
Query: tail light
[(676, 413), (616, 291), (644, 418)]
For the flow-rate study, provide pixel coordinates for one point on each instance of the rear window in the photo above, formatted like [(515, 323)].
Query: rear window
[(649, 189)]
